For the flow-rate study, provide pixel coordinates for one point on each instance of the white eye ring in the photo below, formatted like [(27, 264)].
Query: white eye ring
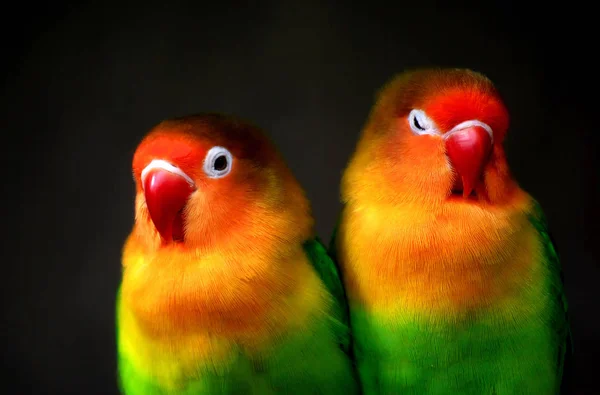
[(218, 162), (421, 124)]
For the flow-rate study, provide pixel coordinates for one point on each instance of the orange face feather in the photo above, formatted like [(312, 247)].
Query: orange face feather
[(416, 167), (216, 205), (429, 198), (199, 238)]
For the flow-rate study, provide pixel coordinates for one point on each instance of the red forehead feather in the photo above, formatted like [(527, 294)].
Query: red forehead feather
[(179, 148), (448, 96), (185, 141), (450, 107)]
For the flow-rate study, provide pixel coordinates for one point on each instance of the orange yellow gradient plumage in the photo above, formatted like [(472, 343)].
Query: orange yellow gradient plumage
[(453, 284), (231, 292)]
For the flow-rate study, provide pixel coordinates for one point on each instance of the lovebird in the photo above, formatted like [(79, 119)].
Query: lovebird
[(453, 283), (225, 288)]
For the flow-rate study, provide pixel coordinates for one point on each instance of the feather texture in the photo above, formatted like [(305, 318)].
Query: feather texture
[(424, 329), (447, 294), (247, 303)]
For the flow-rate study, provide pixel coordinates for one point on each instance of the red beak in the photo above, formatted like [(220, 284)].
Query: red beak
[(468, 150), (166, 194)]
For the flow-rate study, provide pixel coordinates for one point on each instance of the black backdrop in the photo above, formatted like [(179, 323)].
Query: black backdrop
[(82, 83)]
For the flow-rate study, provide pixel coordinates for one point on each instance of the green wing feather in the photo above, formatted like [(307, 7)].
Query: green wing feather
[(330, 275), (538, 220)]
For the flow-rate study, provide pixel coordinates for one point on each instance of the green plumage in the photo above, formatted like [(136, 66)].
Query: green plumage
[(312, 361), (480, 355), (329, 274)]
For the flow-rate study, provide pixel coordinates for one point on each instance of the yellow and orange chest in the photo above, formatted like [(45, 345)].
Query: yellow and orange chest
[(409, 259), (179, 312)]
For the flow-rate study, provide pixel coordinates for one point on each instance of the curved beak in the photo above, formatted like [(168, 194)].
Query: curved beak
[(167, 190), (468, 146)]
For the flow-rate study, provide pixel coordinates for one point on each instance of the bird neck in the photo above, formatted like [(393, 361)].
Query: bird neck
[(457, 252)]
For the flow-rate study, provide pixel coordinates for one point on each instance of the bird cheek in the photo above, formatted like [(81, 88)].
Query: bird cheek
[(419, 166), (197, 216), (445, 173), (434, 169), (428, 151)]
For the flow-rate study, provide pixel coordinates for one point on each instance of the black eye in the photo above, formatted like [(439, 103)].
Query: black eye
[(220, 163), (417, 124)]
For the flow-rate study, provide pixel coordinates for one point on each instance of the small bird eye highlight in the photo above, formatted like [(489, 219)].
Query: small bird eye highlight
[(420, 123), (218, 162)]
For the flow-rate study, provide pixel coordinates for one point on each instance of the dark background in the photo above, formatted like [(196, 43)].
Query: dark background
[(83, 83)]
